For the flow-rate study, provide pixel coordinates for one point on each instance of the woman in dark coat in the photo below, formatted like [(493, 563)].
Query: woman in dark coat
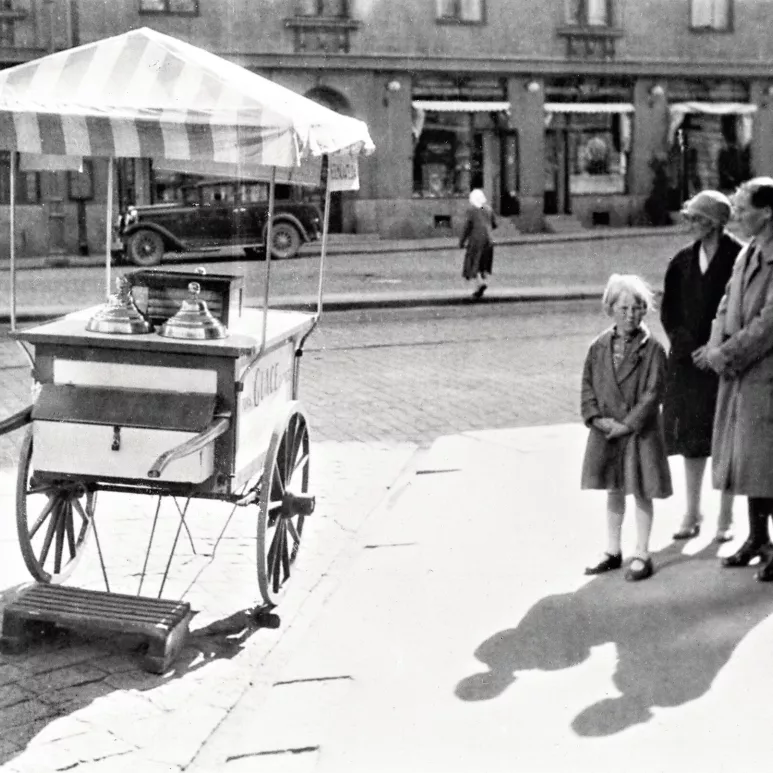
[(477, 242), (740, 350), (694, 284)]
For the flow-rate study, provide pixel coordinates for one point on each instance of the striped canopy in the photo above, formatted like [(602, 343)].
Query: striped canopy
[(148, 95)]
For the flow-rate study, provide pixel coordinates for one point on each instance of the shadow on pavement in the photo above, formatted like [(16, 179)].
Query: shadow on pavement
[(673, 634), (98, 665)]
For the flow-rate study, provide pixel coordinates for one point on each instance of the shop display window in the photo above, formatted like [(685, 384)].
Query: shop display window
[(447, 155), (598, 153)]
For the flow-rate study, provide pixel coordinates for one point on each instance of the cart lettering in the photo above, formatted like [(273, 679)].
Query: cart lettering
[(263, 381)]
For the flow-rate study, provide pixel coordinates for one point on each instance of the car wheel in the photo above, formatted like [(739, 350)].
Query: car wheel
[(285, 241), (145, 248)]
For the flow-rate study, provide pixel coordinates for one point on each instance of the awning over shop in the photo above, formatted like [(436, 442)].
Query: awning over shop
[(588, 107), (458, 106), (744, 110)]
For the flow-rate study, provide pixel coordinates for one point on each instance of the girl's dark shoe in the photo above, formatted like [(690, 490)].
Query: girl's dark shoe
[(478, 294), (639, 569), (745, 554), (606, 564), (765, 574)]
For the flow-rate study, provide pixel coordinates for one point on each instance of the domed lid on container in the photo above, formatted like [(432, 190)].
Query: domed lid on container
[(120, 314), (193, 321)]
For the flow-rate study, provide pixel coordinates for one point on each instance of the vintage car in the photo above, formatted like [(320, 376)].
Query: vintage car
[(218, 218)]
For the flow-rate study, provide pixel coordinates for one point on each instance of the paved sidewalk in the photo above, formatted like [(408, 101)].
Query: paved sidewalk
[(464, 637), (350, 244), (441, 623), (83, 703)]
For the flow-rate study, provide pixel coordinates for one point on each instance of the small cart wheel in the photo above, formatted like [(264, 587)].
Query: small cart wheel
[(53, 520), (284, 502)]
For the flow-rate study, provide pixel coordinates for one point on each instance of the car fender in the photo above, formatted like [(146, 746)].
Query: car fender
[(286, 217), (171, 242)]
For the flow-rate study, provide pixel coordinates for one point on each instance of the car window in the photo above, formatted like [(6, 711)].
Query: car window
[(217, 195)]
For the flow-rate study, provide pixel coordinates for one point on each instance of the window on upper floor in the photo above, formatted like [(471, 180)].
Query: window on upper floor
[(336, 8), (589, 13), (170, 7), (714, 15), (466, 11)]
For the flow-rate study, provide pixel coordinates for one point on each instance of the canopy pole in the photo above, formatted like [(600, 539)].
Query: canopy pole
[(109, 225), (12, 239), (323, 252), (269, 229)]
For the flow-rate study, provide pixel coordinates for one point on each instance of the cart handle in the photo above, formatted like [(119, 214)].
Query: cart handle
[(204, 438), (18, 419)]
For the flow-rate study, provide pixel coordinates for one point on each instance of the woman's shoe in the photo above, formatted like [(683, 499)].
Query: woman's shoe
[(606, 564), (765, 574), (688, 532), (478, 294), (745, 554), (639, 569), (723, 535)]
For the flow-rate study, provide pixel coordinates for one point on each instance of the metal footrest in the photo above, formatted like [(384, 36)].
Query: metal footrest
[(164, 624)]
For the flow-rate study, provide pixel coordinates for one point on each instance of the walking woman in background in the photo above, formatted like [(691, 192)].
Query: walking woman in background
[(477, 242), (694, 285), (740, 350)]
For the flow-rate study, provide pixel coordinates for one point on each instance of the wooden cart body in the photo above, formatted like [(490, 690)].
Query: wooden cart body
[(109, 405)]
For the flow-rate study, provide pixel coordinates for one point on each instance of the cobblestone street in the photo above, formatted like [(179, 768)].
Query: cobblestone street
[(413, 375), (379, 387)]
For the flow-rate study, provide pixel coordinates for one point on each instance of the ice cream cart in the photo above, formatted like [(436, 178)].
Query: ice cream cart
[(193, 398)]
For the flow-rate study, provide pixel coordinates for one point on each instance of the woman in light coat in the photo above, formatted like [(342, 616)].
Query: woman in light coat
[(740, 350)]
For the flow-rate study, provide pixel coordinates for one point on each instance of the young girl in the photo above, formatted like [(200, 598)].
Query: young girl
[(622, 386)]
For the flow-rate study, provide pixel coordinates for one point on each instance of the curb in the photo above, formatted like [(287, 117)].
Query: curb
[(357, 302), (376, 246)]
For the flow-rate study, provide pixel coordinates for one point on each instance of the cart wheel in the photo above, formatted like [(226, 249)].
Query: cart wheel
[(53, 520), (284, 502)]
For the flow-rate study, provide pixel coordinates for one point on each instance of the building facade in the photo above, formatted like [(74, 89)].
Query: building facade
[(605, 111)]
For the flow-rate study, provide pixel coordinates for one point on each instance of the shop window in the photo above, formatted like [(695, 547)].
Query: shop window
[(589, 13), (27, 183), (447, 156), (712, 15), (467, 11), (598, 147), (170, 7)]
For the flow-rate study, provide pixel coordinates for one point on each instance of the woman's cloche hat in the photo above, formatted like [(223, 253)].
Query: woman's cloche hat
[(712, 205)]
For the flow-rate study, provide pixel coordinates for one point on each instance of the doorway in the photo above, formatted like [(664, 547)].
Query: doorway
[(557, 199)]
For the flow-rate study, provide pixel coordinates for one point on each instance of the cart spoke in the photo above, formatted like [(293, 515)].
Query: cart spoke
[(50, 532), (303, 462), (285, 556), (79, 507), (42, 489), (278, 482), (65, 512), (291, 528), (70, 526), (42, 517)]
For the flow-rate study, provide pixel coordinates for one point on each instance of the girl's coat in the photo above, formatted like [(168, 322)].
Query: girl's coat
[(636, 463)]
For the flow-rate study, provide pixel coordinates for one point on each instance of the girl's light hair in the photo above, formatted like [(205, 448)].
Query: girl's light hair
[(627, 283)]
